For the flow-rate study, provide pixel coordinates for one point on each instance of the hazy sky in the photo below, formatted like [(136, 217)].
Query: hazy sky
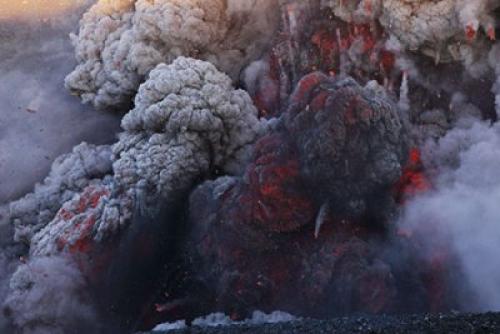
[(39, 119), (35, 8)]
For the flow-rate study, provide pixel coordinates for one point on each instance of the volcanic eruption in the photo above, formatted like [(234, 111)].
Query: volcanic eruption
[(319, 157)]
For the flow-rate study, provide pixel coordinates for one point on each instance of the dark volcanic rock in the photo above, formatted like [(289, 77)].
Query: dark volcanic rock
[(418, 324)]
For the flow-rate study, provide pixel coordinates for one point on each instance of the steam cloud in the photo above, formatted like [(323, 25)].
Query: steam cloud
[(462, 210), (35, 116)]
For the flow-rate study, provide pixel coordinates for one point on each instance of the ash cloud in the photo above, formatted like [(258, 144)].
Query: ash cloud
[(69, 175), (187, 121), (120, 42), (446, 30), (48, 297), (39, 120), (462, 210)]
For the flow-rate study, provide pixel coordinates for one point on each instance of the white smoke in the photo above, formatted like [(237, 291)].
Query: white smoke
[(121, 41), (258, 318), (462, 209), (220, 319), (187, 121)]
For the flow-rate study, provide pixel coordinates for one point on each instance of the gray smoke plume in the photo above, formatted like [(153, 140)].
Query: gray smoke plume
[(188, 120), (462, 208), (69, 175), (446, 30), (47, 296), (121, 41)]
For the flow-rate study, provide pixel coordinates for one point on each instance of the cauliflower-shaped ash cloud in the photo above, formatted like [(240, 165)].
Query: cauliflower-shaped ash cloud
[(436, 28), (188, 121), (70, 174), (121, 41)]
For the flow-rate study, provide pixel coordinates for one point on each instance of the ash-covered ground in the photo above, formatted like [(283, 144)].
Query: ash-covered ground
[(324, 158)]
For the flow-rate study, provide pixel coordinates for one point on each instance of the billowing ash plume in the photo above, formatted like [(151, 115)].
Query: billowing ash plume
[(349, 155), (121, 41), (307, 179), (188, 121), (69, 175), (442, 29), (462, 210)]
